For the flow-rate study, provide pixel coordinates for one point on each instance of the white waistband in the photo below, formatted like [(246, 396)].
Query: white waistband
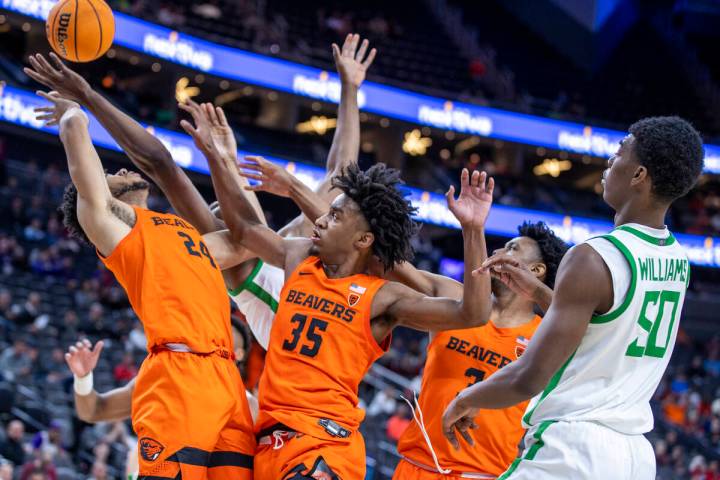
[(178, 347), (483, 476)]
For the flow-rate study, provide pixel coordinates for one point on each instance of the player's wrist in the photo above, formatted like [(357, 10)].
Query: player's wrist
[(83, 386)]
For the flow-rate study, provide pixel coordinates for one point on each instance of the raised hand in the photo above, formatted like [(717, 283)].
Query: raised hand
[(351, 62), (82, 358), (202, 131), (58, 77), (458, 418), (473, 204), (514, 274), (52, 114), (272, 178)]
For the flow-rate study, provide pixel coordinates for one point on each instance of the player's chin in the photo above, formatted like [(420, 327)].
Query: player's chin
[(314, 249)]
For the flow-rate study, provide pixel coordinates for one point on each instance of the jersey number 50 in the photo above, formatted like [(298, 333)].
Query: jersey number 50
[(663, 324)]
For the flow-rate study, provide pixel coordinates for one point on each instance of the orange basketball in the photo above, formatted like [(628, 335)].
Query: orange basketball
[(80, 30)]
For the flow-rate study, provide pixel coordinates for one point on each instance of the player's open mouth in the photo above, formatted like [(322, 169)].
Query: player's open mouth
[(315, 236)]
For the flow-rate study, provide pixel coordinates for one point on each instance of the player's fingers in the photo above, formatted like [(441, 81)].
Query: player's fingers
[(46, 96), (369, 60), (450, 197), (490, 187), (464, 178), (45, 118), (450, 435), (466, 435), (221, 116), (474, 178), (46, 66), (361, 51), (38, 77), (336, 51), (355, 43), (72, 349), (98, 348), (256, 159), (251, 176), (213, 114), (57, 62), (346, 44), (250, 166), (187, 126)]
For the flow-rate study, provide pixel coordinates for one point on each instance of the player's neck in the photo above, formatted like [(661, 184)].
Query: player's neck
[(511, 310), (351, 265), (643, 213)]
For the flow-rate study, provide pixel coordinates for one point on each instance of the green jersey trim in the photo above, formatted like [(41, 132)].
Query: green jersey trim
[(531, 452), (252, 287), (662, 242), (552, 384), (613, 314)]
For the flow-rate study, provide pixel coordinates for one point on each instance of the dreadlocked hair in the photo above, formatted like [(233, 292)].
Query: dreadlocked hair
[(68, 208), (552, 248), (386, 210)]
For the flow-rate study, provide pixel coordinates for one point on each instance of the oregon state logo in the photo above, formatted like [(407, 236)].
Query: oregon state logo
[(354, 295), (150, 449), (522, 344)]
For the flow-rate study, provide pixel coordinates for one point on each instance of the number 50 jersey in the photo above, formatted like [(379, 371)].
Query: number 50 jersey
[(622, 357), (321, 346)]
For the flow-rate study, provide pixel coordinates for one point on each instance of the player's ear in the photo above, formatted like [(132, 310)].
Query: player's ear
[(365, 240), (640, 175), (539, 269)]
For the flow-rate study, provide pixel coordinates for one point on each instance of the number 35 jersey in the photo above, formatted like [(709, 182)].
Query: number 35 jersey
[(321, 346), (615, 370), (173, 283)]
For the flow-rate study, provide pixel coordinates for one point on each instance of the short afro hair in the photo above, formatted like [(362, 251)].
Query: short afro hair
[(672, 151), (68, 209), (552, 248), (387, 211)]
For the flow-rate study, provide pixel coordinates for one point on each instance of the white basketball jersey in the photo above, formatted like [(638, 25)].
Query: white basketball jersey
[(622, 357)]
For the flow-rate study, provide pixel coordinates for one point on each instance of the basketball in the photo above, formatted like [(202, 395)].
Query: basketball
[(80, 30)]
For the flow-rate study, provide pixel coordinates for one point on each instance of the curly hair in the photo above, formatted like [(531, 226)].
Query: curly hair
[(552, 248), (387, 211), (68, 209), (672, 151)]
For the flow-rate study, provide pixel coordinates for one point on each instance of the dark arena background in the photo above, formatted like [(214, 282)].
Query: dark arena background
[(536, 93)]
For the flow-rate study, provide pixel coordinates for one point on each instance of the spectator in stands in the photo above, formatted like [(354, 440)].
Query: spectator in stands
[(88, 293), (16, 361), (99, 471), (398, 423), (49, 445), (96, 324), (136, 339), (674, 408), (39, 466), (6, 305), (56, 370), (12, 447), (6, 470), (125, 370), (208, 10), (383, 403), (26, 313)]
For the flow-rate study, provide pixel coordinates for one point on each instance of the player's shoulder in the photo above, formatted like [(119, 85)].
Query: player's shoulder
[(583, 274)]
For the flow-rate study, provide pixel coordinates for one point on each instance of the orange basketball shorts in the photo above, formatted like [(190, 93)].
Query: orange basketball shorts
[(192, 418), (306, 457)]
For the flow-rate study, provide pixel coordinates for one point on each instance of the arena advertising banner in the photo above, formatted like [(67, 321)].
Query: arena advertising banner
[(16, 107), (252, 68)]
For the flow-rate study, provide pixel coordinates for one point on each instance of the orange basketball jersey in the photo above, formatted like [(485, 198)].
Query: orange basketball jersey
[(173, 283), (457, 359), (320, 348)]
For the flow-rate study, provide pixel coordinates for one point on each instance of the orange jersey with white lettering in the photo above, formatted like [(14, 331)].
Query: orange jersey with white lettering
[(320, 348), (457, 359), (173, 283)]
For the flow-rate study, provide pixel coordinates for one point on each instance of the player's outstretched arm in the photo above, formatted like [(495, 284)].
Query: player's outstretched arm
[(145, 150), (90, 405), (274, 179), (229, 185), (352, 64), (583, 287), (98, 212), (405, 306)]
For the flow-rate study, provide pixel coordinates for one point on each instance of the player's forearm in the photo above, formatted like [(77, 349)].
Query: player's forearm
[(476, 304), (84, 165), (543, 296), (144, 149), (504, 389), (312, 205), (346, 141), (86, 406), (227, 183)]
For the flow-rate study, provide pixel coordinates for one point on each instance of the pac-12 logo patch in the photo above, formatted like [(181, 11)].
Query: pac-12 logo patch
[(354, 295), (150, 449)]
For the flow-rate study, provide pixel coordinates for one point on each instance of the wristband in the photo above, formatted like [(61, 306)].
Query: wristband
[(71, 112), (83, 385)]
